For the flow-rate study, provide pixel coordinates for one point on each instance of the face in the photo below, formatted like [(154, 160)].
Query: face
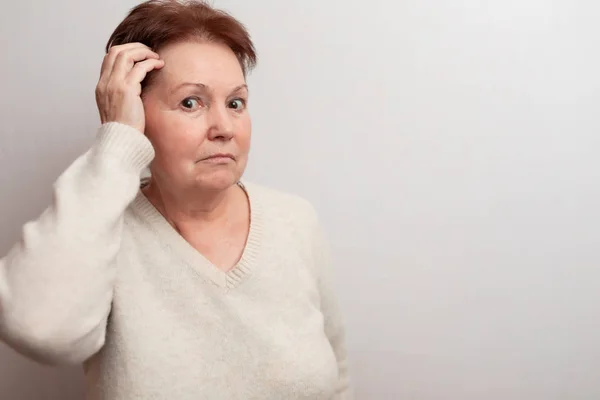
[(197, 117)]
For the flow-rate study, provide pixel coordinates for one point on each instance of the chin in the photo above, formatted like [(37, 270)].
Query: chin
[(218, 181)]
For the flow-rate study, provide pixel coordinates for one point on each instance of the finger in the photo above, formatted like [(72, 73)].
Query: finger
[(114, 52), (141, 70), (126, 60)]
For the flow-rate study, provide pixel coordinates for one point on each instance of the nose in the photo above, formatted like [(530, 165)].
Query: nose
[(220, 123)]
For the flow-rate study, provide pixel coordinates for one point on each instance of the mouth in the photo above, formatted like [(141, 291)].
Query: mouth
[(219, 158)]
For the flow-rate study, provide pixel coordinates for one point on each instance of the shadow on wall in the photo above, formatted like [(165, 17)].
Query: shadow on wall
[(27, 173), (26, 177), (21, 379)]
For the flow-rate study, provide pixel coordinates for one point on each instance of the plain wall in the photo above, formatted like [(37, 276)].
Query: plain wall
[(451, 147)]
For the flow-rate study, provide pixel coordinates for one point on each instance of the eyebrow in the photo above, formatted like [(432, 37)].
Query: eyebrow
[(203, 87)]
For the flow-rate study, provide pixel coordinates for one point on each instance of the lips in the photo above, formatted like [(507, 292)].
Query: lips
[(219, 156)]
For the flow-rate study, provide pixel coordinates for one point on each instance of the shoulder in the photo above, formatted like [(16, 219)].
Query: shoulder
[(283, 206), (293, 217), (288, 215)]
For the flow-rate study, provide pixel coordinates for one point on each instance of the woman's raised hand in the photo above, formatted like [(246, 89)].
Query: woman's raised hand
[(119, 89)]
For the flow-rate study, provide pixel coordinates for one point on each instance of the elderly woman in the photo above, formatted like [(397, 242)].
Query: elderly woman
[(193, 284)]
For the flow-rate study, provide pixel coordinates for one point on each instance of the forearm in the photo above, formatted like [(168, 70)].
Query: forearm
[(56, 282)]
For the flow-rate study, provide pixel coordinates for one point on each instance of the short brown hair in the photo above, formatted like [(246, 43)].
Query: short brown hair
[(157, 23)]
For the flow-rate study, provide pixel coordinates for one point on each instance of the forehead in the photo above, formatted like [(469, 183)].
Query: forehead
[(212, 64)]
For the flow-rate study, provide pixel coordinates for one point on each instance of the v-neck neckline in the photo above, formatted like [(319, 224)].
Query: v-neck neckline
[(181, 248)]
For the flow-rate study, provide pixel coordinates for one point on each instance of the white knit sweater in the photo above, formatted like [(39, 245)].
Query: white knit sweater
[(102, 278)]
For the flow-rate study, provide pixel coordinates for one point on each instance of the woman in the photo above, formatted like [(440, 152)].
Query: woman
[(192, 285)]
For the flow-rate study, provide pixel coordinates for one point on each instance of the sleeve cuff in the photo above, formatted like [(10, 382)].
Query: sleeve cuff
[(124, 143)]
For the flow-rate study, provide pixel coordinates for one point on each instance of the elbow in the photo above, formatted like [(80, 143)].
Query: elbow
[(59, 349), (51, 344)]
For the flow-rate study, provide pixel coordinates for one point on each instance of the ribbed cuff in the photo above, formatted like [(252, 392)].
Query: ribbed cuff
[(125, 143)]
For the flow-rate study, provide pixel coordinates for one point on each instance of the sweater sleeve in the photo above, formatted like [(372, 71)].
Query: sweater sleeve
[(56, 283), (334, 321)]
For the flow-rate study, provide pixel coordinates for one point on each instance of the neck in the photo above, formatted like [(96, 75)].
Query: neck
[(181, 208)]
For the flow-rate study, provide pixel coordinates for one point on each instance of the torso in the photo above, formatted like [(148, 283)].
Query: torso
[(181, 329)]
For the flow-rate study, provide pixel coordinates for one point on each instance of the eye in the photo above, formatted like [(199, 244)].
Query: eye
[(191, 103), (237, 104)]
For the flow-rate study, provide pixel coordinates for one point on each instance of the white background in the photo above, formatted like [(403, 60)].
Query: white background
[(450, 146)]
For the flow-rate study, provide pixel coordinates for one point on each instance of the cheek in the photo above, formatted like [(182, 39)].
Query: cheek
[(244, 133), (176, 149), (177, 143), (176, 152), (175, 138)]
